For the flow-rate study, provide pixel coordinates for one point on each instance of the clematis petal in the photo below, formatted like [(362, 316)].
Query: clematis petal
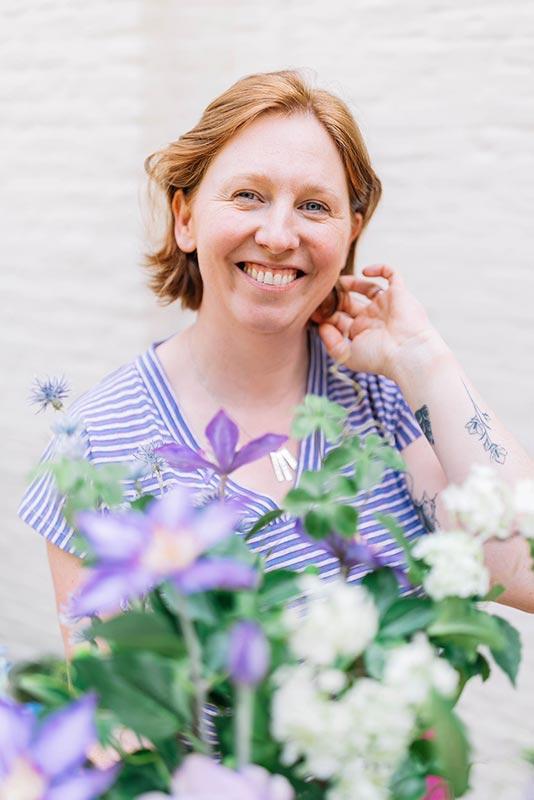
[(258, 448), (107, 587), (267, 786), (215, 573), (16, 723), (173, 510), (198, 776), (216, 522), (223, 434), (249, 654), (65, 736), (86, 784), (184, 458), (114, 537)]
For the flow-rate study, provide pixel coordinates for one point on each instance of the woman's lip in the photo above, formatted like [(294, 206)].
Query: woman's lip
[(269, 287)]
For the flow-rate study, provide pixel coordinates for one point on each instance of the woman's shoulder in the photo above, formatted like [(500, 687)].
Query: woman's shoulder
[(119, 391)]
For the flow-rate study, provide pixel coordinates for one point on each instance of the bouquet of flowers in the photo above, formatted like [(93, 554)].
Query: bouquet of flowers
[(239, 682)]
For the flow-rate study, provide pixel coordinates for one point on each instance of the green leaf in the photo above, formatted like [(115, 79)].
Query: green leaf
[(142, 503), (374, 659), (383, 585), (343, 487), (508, 657), (493, 593), (339, 457), (451, 744), (458, 622), (313, 482), (264, 520), (136, 630), (405, 616), (317, 524), (297, 501), (343, 519), (278, 586), (318, 413), (141, 689)]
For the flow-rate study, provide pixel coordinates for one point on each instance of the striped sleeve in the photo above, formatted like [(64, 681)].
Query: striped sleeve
[(406, 428), (41, 506)]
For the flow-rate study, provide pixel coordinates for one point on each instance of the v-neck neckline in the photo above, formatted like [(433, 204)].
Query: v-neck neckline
[(310, 449)]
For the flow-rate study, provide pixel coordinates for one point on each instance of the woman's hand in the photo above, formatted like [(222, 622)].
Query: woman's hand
[(377, 336)]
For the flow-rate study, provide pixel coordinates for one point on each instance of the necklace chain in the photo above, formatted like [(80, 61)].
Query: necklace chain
[(283, 462)]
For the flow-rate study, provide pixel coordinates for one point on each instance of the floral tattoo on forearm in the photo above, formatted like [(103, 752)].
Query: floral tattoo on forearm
[(479, 426), (423, 418)]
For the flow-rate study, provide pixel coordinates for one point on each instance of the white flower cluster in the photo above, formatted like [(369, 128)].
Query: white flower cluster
[(368, 728), (339, 619), (489, 508), (352, 732), (456, 561), (414, 670)]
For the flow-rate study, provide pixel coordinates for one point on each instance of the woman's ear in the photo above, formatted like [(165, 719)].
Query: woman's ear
[(357, 225), (183, 222)]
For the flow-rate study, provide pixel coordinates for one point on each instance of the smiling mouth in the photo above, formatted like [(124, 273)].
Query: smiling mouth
[(270, 277)]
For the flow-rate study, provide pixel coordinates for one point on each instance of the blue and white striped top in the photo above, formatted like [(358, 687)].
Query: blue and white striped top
[(135, 405)]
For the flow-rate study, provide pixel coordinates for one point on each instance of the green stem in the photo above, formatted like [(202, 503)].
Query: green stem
[(243, 724), (194, 652)]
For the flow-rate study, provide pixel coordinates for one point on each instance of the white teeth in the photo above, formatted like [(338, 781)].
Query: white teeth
[(278, 279)]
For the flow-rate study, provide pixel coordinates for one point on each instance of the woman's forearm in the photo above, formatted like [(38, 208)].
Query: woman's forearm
[(459, 424)]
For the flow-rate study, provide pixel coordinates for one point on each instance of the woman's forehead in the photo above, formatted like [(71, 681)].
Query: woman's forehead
[(278, 146)]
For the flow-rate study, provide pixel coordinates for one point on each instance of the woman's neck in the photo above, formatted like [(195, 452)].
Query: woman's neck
[(241, 368)]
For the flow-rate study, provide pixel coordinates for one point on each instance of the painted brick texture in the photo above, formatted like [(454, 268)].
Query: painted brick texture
[(443, 93)]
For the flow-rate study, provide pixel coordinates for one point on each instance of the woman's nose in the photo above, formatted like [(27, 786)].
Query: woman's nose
[(277, 231)]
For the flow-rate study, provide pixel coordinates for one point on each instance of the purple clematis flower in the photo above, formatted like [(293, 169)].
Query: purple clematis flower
[(223, 435), (352, 553), (43, 761), (200, 778), (249, 653), (136, 552)]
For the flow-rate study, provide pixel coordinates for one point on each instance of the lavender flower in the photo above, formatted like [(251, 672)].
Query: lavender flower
[(136, 552), (249, 653), (223, 435), (44, 761), (200, 778), (49, 392), (147, 454)]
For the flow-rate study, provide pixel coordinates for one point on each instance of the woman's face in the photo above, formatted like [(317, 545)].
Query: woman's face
[(271, 223)]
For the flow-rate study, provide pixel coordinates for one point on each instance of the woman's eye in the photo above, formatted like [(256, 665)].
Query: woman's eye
[(315, 206), (246, 195)]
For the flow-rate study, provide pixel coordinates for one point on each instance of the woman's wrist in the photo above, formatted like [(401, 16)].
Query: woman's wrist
[(418, 357)]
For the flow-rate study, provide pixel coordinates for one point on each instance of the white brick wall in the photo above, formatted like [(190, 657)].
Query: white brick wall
[(443, 92)]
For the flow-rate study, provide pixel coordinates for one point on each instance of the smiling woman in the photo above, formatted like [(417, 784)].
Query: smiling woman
[(266, 198)]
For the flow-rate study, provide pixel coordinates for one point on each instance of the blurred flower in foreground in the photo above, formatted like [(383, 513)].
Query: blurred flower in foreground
[(482, 505), (249, 653), (414, 669), (223, 435), (135, 552), (339, 619), (456, 561), (200, 778), (49, 392), (44, 761), (69, 432)]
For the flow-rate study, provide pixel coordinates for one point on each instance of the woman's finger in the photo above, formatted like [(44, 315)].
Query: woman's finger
[(337, 346)]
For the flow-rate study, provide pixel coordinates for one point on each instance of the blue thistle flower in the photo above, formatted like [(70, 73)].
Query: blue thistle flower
[(146, 453), (49, 392)]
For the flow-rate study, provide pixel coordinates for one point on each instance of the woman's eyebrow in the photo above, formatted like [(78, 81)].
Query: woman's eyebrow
[(261, 176)]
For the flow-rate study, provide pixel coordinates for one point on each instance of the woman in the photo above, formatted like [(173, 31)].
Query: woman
[(267, 197)]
